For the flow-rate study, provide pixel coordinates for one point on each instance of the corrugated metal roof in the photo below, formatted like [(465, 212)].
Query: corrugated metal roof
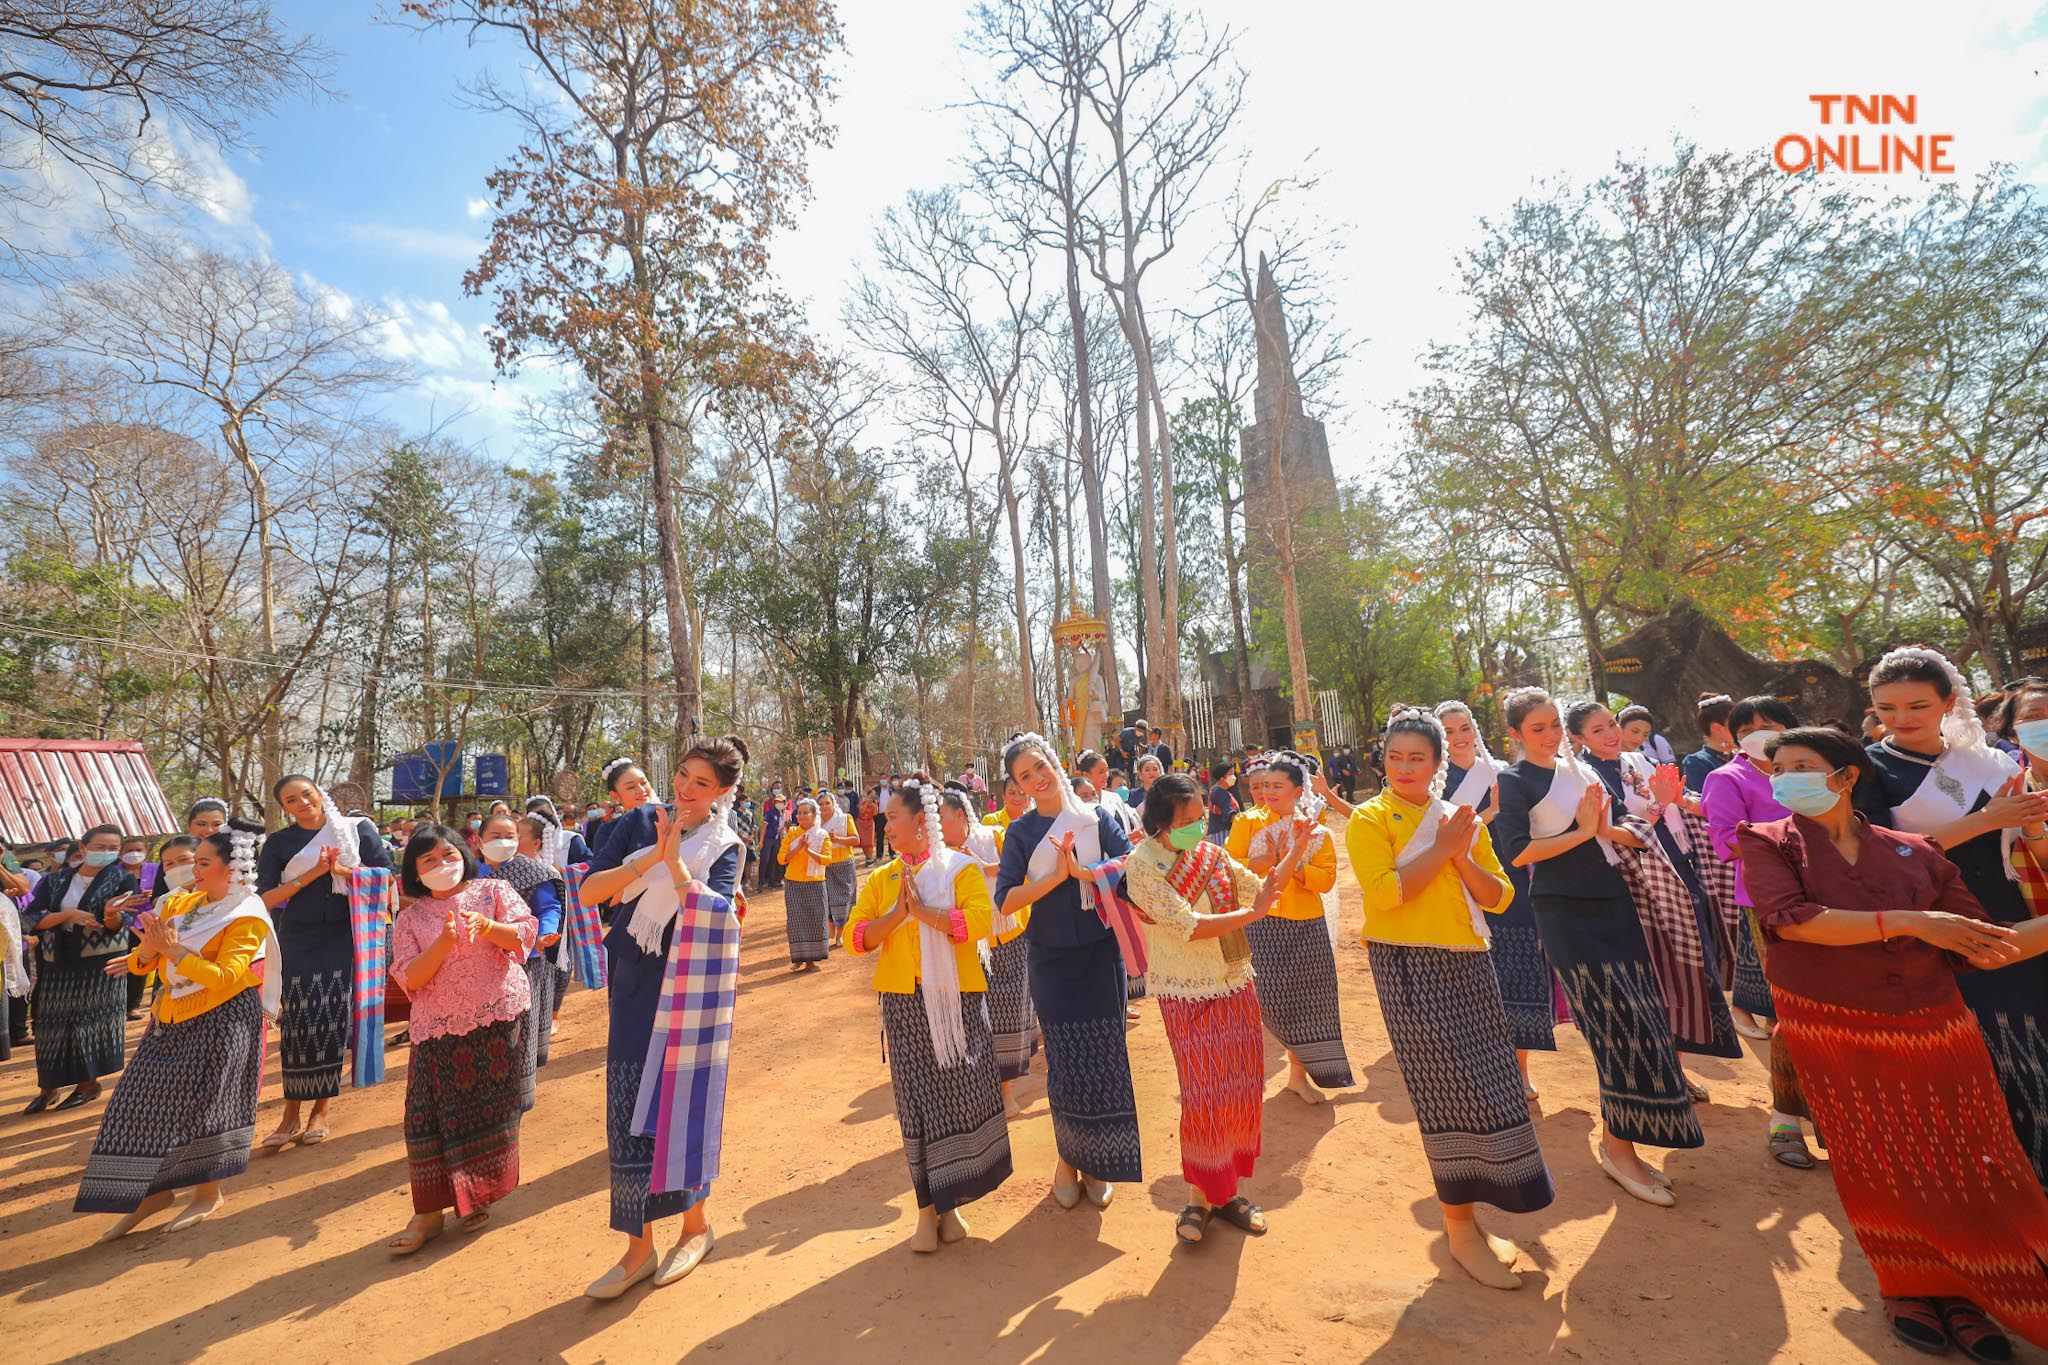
[(60, 788)]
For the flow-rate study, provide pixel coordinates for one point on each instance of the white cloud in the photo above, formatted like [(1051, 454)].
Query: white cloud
[(418, 242), (477, 208)]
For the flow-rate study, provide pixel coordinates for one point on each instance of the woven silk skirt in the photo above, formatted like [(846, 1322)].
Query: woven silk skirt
[(1297, 976), (1457, 1059), (841, 884), (1939, 1194), (81, 1020), (1528, 990), (462, 1104), (954, 1132), (803, 903), (1597, 945), (313, 1025), (540, 1020), (1009, 1008), (1219, 1056), (2011, 1005), (1752, 991), (184, 1112), (1078, 992)]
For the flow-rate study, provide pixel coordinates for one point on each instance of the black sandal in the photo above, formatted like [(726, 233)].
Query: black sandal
[(1917, 1322), (1192, 1220), (1788, 1148), (1973, 1331), (1243, 1213)]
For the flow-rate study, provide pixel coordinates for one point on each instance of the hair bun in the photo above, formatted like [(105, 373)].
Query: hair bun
[(741, 745)]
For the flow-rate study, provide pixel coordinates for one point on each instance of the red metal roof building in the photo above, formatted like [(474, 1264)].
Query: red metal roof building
[(59, 788)]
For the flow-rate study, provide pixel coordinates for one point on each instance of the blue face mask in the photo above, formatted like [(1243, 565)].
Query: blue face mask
[(1805, 794), (100, 857), (2032, 736)]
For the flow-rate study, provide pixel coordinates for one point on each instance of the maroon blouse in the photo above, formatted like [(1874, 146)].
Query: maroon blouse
[(1794, 871)]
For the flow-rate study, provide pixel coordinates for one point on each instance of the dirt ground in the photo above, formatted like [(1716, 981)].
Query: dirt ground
[(814, 1212)]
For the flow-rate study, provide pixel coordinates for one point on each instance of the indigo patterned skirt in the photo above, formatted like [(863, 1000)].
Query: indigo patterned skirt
[(462, 1105), (1457, 1059), (540, 1019), (1618, 1004), (313, 1023), (1219, 1057), (841, 884), (1010, 1014), (1297, 976), (803, 905), (633, 994), (1940, 1196), (1078, 992), (954, 1132), (81, 1021), (184, 1112), (1752, 992), (1528, 991), (2011, 1005)]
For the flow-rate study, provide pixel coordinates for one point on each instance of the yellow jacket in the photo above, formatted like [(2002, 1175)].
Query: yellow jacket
[(1302, 897), (805, 866), (899, 957), (224, 967), (999, 817), (1439, 917)]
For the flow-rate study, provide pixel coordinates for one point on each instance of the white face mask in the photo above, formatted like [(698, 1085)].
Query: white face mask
[(498, 850), (132, 858), (1753, 743), (178, 878), (443, 878)]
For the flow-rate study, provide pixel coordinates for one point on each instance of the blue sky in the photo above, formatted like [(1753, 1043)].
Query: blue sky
[(1421, 118)]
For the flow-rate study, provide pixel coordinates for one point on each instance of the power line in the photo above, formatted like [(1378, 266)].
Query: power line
[(360, 677)]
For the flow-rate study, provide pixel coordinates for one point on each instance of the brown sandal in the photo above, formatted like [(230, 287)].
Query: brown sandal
[(1917, 1322), (1193, 1219), (1243, 1213), (1973, 1331)]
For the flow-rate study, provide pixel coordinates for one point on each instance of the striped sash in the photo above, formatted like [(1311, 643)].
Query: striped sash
[(681, 1103), (372, 901), (585, 932), (1119, 914)]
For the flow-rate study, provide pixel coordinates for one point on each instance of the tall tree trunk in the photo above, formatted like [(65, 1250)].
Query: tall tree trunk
[(1091, 475), (272, 748), (1169, 540), (1024, 650), (363, 766)]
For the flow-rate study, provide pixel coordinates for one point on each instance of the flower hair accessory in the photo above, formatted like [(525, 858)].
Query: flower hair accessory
[(605, 773), (1427, 719)]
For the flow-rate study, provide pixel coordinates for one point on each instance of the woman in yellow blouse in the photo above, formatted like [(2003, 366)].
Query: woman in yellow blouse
[(1015, 802), (841, 842), (1292, 949), (923, 914), (803, 888), (184, 1111), (1430, 877)]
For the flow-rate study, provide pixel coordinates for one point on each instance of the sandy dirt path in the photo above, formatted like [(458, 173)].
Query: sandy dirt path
[(815, 1210)]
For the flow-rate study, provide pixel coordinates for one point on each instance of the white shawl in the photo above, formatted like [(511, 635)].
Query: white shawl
[(1638, 768), (659, 896), (1558, 811), (1482, 777), (1424, 839), (939, 972), (337, 832), (1950, 791), (203, 924), (14, 966)]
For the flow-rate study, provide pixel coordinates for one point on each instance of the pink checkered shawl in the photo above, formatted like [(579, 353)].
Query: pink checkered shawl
[(681, 1104)]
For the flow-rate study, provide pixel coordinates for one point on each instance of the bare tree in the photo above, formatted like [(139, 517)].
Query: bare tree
[(274, 368), (956, 305), (94, 88)]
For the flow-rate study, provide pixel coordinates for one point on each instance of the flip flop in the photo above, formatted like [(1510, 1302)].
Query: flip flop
[(409, 1241), (1243, 1213)]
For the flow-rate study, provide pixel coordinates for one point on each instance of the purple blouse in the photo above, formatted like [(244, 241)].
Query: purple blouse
[(1735, 793)]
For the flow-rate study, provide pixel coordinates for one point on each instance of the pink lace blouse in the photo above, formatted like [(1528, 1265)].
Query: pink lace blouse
[(478, 983)]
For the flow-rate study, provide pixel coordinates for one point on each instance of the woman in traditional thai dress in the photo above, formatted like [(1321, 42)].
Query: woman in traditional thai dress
[(630, 791), (303, 877), (1528, 992), (674, 876), (459, 948), (1077, 975), (561, 848), (1737, 793), (1870, 930), (81, 1012), (923, 914), (1717, 744), (1015, 802), (841, 880), (1935, 774), (1433, 889), (1292, 948), (512, 850), (184, 1111), (1554, 816), (1197, 902), (803, 855), (2026, 717), (1677, 920), (1008, 960)]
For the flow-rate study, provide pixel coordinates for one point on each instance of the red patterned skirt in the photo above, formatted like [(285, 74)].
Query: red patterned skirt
[(1219, 1053), (462, 1108), (1940, 1196)]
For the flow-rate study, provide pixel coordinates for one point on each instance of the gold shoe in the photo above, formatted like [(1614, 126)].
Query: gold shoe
[(1099, 1192), (681, 1260), (616, 1281)]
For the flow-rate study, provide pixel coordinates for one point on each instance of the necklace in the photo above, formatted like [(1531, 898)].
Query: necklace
[(1896, 752)]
